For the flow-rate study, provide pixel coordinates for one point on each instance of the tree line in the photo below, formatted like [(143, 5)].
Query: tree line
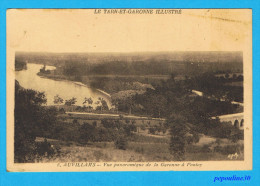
[(187, 116)]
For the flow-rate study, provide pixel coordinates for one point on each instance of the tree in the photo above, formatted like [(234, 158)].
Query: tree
[(57, 100), (178, 132), (115, 104), (31, 120), (88, 100), (157, 104), (71, 101), (242, 123), (87, 133), (236, 123), (103, 106)]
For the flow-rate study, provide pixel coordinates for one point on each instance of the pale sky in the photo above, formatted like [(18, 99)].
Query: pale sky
[(83, 31)]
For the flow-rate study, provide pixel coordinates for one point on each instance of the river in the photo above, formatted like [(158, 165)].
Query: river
[(65, 89)]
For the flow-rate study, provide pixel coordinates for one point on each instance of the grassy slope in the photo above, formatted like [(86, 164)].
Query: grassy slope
[(140, 150)]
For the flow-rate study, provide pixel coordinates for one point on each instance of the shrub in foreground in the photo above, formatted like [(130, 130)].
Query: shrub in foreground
[(121, 142)]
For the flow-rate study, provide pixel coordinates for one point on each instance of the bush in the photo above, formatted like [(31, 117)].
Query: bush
[(98, 155), (121, 142), (142, 127), (229, 149), (62, 111), (196, 138), (239, 135), (218, 141), (152, 130), (101, 145), (164, 130), (189, 139), (45, 149), (218, 148), (129, 129), (94, 123), (86, 133), (206, 148), (139, 150), (194, 149)]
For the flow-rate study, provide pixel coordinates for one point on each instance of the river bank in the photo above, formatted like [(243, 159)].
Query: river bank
[(41, 79), (64, 78), (113, 87)]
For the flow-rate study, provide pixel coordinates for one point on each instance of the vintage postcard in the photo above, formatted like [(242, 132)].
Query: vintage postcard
[(129, 89)]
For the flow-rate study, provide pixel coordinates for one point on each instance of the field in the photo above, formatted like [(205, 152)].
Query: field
[(142, 148)]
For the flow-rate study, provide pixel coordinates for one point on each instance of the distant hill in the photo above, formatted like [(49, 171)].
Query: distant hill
[(142, 56), (155, 63)]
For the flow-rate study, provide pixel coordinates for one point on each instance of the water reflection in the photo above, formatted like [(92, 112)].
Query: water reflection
[(65, 89)]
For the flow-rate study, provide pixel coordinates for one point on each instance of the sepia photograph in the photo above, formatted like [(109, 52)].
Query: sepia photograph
[(129, 89)]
